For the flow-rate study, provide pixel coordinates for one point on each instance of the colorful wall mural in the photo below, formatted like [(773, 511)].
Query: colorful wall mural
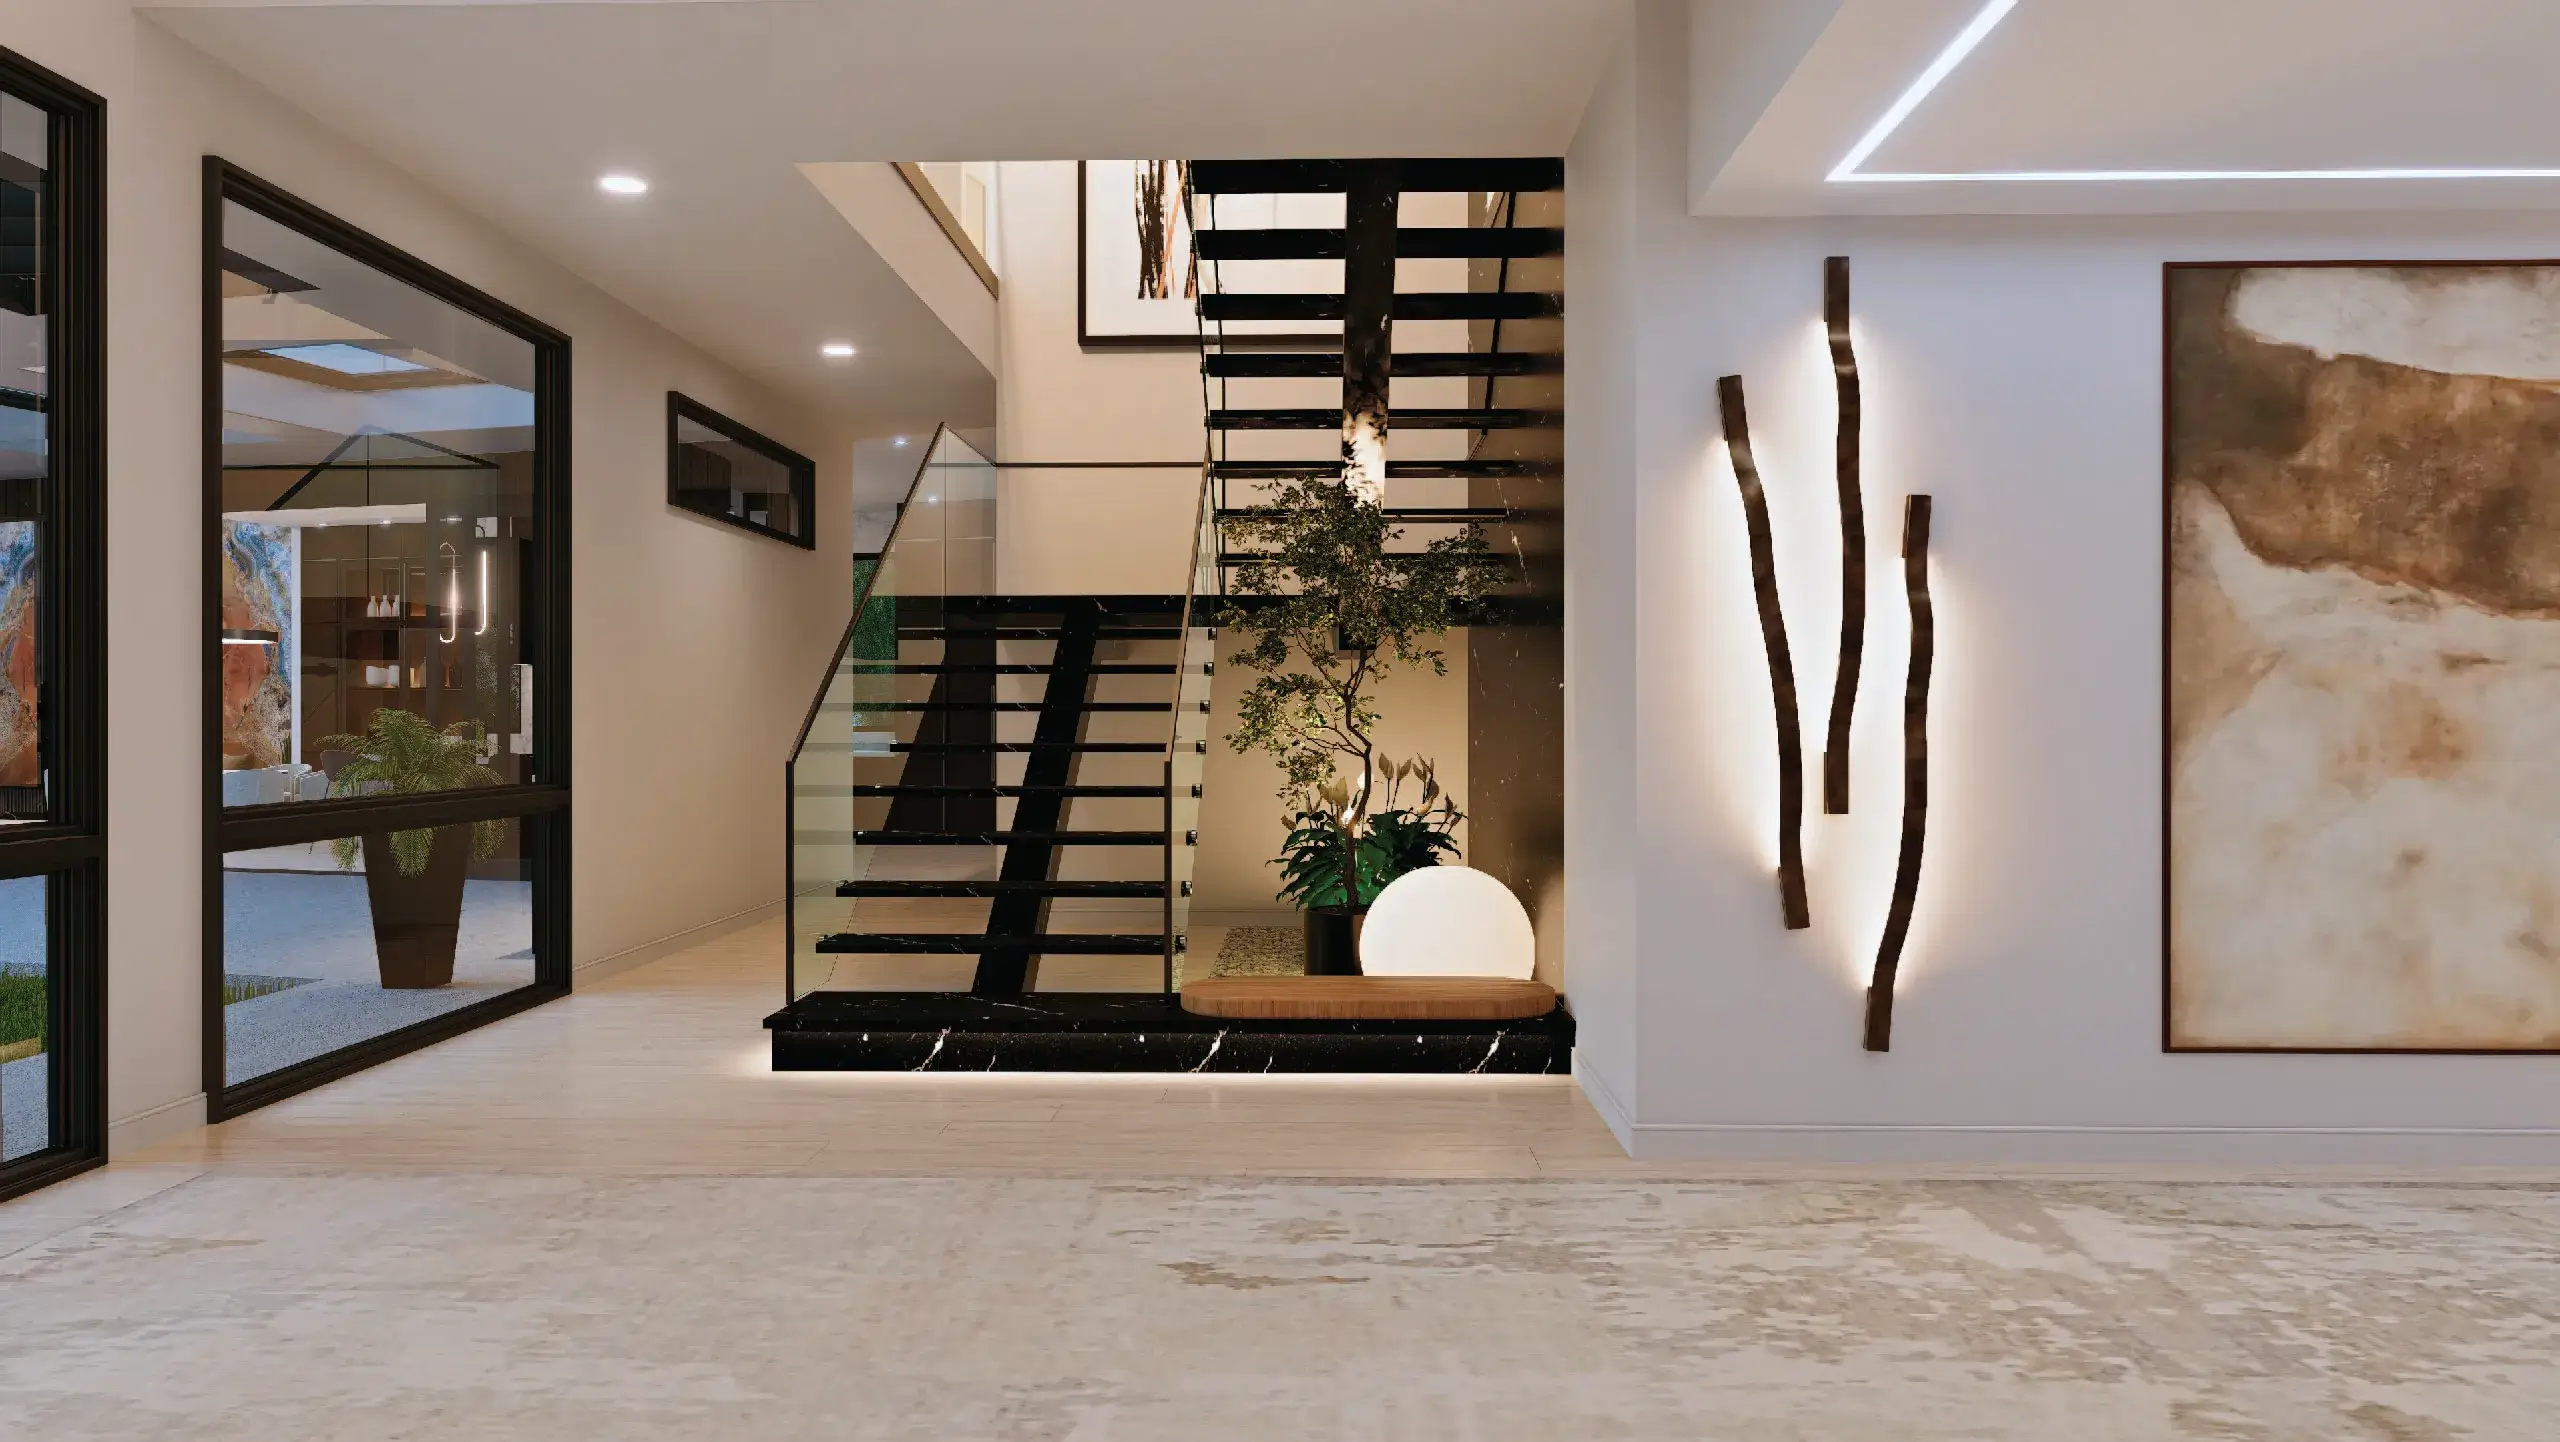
[(21, 761), (258, 583)]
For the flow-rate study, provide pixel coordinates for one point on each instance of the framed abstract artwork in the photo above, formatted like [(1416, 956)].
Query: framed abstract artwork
[(2362, 552), (1137, 283)]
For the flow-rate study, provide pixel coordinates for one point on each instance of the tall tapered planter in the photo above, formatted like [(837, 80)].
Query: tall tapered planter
[(417, 920)]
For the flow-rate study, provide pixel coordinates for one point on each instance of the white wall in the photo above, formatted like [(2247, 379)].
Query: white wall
[(2012, 369), (695, 645)]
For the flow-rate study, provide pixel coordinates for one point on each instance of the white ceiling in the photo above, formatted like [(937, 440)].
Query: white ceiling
[(2078, 86), (514, 108)]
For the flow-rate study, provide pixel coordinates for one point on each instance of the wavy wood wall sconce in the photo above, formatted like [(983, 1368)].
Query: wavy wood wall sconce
[(1853, 539), (1915, 772), (1773, 637)]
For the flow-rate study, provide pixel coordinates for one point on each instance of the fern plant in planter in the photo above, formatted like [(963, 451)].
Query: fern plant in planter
[(413, 879), (1395, 839)]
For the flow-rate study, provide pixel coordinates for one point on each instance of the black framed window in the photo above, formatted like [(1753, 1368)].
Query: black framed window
[(721, 469), (52, 627), (387, 803)]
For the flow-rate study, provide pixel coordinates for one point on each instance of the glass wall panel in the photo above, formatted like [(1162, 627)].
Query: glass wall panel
[(25, 450), (377, 530), (26, 1021), (333, 943)]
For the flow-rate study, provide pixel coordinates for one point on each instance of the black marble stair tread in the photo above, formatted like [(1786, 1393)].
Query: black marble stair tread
[(1137, 1032), (1000, 791), (1396, 470), (1010, 668), (1009, 838), (990, 887), (1328, 364), (1419, 514), (1035, 633), (1300, 177), (1009, 706), (1420, 242), (965, 605), (936, 943), (1318, 419), (1409, 305), (1009, 748)]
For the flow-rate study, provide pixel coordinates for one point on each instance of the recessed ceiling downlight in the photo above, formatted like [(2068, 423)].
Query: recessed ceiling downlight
[(621, 182), (837, 350)]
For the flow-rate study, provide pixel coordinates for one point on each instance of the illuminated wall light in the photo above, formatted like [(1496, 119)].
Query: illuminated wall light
[(1915, 774), (1980, 27), (837, 350), (1773, 637), (1853, 538), (621, 183)]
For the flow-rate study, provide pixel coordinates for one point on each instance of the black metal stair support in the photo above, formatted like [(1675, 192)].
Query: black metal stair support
[(1367, 307), (956, 723), (1016, 919)]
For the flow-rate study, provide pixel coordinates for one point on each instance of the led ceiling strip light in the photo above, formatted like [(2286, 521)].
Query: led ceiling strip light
[(1848, 171)]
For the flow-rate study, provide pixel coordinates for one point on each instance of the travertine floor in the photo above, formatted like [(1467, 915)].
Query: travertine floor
[(605, 1219)]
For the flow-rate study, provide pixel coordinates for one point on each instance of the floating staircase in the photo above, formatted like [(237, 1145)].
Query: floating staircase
[(1463, 345), (1020, 789), (1027, 758)]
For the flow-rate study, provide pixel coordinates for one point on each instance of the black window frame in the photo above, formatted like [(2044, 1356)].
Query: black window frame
[(804, 472), (543, 616), (69, 847)]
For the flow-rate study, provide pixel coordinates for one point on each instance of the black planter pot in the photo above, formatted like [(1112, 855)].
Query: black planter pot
[(417, 919), (1333, 940)]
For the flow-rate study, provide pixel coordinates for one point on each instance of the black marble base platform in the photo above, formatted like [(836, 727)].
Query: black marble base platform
[(1137, 1032)]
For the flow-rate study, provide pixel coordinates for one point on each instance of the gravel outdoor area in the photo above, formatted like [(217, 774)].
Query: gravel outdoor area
[(318, 927)]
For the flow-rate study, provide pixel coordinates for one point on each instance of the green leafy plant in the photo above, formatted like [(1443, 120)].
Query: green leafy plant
[(24, 1014), (401, 754), (1395, 839), (1334, 610)]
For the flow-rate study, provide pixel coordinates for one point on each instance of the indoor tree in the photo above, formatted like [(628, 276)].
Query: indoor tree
[(1328, 611)]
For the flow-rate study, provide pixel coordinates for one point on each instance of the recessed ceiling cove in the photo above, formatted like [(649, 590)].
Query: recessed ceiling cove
[(2249, 86)]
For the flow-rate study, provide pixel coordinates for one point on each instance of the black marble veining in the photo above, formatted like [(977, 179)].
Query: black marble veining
[(1137, 1032)]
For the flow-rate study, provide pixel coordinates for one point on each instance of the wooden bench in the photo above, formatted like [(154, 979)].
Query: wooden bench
[(1368, 998)]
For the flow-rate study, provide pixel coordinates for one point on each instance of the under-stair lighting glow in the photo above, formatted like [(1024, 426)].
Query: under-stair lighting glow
[(616, 182), (836, 349), (1973, 34)]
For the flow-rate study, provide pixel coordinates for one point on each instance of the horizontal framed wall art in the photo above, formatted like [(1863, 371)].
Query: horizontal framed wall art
[(2362, 553), (723, 469)]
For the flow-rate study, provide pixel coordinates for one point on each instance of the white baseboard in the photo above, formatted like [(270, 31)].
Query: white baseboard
[(2069, 1145), (1613, 1112), (635, 957), (154, 1125)]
